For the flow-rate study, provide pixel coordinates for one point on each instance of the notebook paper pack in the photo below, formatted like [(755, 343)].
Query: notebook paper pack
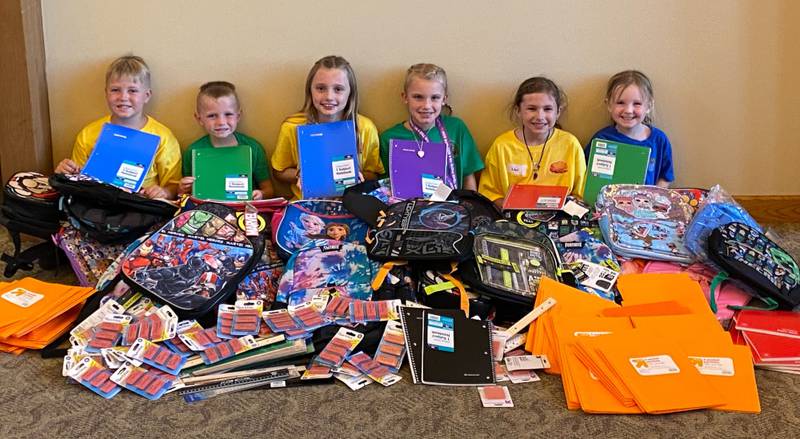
[(328, 158), (416, 168), (614, 163), (223, 173), (122, 156)]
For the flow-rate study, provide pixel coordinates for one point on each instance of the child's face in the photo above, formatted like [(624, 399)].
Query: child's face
[(538, 114), (424, 99), (628, 107), (330, 91), (126, 97), (219, 117)]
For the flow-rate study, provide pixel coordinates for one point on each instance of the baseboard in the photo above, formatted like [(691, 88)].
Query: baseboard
[(772, 208)]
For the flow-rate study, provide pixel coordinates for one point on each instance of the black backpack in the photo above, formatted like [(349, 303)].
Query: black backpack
[(748, 255), (106, 213), (30, 207)]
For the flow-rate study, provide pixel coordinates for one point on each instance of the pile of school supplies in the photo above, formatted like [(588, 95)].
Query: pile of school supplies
[(33, 313), (663, 351), (773, 338)]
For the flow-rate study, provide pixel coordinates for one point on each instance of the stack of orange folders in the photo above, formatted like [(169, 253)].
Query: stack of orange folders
[(662, 351), (34, 313)]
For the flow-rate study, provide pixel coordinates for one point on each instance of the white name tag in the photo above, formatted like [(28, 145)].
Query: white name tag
[(519, 170)]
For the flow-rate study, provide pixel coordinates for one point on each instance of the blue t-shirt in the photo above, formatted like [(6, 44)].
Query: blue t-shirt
[(660, 166)]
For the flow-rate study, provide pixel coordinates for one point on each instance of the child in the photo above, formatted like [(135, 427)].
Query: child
[(218, 112), (629, 97), (331, 96), (537, 151), (425, 93), (127, 92)]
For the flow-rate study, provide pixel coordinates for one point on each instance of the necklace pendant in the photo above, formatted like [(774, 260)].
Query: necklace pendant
[(421, 153)]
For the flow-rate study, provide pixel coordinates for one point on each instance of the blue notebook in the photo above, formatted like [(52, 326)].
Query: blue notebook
[(122, 156), (328, 158)]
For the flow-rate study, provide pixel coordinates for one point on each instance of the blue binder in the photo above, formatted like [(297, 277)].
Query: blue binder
[(328, 158), (122, 156)]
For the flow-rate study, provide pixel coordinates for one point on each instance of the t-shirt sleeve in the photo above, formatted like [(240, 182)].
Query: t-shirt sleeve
[(666, 172), (261, 171), (470, 157), (168, 160), (579, 165), (490, 184), (384, 154), (82, 147), (370, 144), (283, 158)]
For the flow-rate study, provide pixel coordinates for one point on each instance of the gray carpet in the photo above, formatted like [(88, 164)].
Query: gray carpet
[(35, 401)]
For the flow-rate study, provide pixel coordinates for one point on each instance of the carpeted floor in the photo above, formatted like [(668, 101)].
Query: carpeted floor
[(35, 401)]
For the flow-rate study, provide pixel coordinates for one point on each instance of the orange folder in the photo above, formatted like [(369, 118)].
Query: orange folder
[(638, 289)]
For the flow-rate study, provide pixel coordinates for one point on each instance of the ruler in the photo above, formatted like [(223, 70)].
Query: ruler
[(201, 393)]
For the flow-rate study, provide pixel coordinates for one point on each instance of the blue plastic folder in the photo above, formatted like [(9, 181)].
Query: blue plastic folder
[(122, 156), (328, 158)]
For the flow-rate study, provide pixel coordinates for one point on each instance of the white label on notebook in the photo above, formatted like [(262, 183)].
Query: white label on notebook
[(441, 193), (526, 362), (716, 366), (429, 185), (603, 164), (520, 170), (22, 297), (654, 365), (441, 335), (548, 202), (344, 168), (130, 173), (236, 183)]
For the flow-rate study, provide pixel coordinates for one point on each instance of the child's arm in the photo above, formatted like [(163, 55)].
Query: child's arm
[(156, 191), (288, 175), (185, 185), (67, 166), (662, 183), (470, 183), (264, 191)]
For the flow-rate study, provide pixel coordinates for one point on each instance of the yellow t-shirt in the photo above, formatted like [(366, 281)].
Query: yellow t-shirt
[(507, 164), (166, 167), (285, 155)]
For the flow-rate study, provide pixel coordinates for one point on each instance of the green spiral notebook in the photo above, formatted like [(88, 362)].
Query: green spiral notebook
[(224, 174), (614, 163)]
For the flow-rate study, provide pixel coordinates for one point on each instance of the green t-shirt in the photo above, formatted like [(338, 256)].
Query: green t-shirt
[(466, 157), (260, 166)]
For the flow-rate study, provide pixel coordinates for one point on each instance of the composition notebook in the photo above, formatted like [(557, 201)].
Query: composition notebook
[(416, 169), (614, 163), (223, 173), (122, 156), (328, 158), (523, 196)]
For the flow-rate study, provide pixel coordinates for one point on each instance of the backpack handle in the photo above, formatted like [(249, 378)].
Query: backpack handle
[(366, 207)]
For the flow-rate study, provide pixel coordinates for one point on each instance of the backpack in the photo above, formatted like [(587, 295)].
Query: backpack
[(647, 222), (585, 245), (748, 255), (30, 207), (306, 220), (509, 260), (323, 263), (725, 293), (718, 209), (88, 257), (194, 262), (107, 213)]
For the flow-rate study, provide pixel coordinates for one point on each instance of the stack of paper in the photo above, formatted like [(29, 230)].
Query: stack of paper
[(34, 313), (773, 338), (662, 351)]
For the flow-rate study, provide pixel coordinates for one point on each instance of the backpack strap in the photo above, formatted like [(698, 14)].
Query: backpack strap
[(462, 292), (365, 207)]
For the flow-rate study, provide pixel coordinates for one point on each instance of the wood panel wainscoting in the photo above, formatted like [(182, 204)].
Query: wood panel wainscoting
[(772, 208)]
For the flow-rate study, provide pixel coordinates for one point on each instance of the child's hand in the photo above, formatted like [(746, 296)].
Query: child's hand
[(257, 195), (185, 185), (360, 177), (67, 166), (155, 191)]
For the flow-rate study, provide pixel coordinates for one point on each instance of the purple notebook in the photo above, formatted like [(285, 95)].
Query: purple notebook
[(416, 168)]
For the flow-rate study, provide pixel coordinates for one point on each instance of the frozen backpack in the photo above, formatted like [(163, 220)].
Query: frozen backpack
[(640, 221), (720, 293), (304, 221), (194, 262), (718, 209), (323, 263), (748, 255)]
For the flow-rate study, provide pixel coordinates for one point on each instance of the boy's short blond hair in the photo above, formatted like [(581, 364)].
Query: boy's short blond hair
[(129, 65)]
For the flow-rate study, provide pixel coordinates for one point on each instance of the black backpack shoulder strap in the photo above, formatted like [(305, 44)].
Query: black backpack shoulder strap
[(365, 207)]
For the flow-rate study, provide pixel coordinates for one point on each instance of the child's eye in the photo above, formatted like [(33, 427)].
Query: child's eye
[(320, 88), (339, 89)]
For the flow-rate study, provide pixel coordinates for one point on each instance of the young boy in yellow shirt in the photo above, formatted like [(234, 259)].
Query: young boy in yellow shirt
[(127, 91)]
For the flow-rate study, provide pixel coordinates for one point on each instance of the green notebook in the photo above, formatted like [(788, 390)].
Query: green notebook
[(614, 163), (224, 174)]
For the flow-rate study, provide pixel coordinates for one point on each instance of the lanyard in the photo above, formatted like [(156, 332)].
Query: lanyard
[(451, 178)]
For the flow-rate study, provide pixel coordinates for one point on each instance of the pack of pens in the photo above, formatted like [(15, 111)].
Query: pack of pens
[(392, 348), (90, 373), (155, 355), (147, 382), (365, 311), (340, 346), (373, 369)]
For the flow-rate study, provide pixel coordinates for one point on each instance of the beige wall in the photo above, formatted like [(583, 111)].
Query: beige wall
[(723, 70)]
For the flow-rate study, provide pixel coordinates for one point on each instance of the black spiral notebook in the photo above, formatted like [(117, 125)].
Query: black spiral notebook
[(446, 348)]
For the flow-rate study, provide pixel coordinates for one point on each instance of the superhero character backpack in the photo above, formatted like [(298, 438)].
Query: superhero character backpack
[(193, 262)]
